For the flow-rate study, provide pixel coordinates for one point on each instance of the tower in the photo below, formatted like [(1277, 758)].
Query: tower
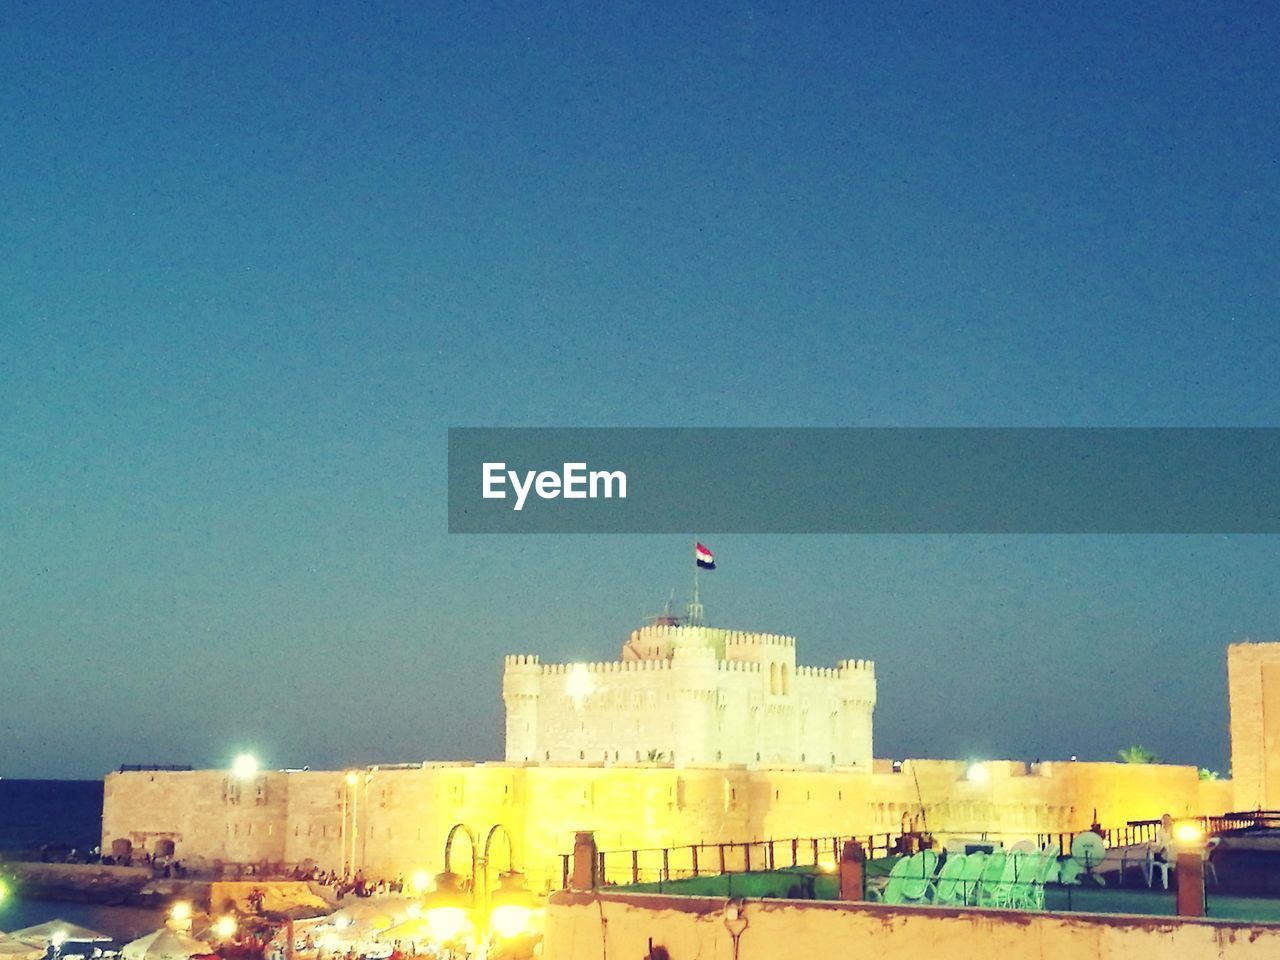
[(1253, 687)]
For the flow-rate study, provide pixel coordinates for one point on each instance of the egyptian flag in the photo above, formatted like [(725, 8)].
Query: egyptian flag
[(704, 557)]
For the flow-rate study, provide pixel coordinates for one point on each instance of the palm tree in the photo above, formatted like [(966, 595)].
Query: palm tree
[(1207, 774), (656, 756), (1138, 754)]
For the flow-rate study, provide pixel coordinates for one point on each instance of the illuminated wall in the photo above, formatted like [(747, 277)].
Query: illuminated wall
[(692, 695), (1253, 680), (393, 821)]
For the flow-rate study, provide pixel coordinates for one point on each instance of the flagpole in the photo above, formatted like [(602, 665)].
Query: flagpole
[(695, 607)]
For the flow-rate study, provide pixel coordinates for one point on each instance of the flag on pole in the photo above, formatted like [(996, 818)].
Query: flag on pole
[(704, 557)]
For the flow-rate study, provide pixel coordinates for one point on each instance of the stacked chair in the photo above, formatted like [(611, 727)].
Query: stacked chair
[(1013, 879)]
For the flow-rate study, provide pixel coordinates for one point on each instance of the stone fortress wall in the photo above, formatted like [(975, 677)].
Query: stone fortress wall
[(393, 821), (730, 692)]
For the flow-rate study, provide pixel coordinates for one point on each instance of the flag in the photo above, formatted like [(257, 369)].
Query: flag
[(704, 557)]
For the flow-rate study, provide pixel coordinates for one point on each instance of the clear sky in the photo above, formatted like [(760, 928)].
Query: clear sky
[(255, 259)]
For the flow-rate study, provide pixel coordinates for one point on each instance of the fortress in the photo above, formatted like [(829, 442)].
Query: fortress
[(696, 735), (693, 695)]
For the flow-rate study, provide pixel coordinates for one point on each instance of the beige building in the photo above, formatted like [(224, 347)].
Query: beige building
[(1253, 680), (736, 744), (393, 821), (692, 695)]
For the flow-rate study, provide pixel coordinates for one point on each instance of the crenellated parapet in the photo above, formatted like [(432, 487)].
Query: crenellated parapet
[(858, 682), (604, 667), (697, 695), (520, 672), (738, 666)]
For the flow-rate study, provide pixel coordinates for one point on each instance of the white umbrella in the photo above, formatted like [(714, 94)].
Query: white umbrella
[(59, 931), (12, 949), (165, 944)]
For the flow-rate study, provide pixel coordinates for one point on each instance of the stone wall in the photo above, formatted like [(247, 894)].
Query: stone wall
[(602, 926), (394, 821), (1253, 681)]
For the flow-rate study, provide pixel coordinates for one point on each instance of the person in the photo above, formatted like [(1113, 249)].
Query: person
[(1163, 848)]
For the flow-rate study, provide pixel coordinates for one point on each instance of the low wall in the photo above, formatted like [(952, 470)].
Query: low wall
[(88, 883), (588, 926)]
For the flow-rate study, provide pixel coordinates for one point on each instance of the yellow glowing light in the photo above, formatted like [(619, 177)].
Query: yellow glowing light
[(578, 684), (421, 881), (245, 766), (510, 920), (58, 939), (977, 773), (352, 778), (1188, 833), (180, 910), (4, 891), (446, 923), (827, 864), (511, 906), (225, 927)]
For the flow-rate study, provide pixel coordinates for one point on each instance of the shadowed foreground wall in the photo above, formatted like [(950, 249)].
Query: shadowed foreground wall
[(599, 927)]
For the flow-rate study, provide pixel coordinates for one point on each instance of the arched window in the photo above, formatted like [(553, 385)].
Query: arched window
[(773, 679)]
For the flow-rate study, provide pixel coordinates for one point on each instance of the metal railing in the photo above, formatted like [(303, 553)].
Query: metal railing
[(662, 864), (665, 864)]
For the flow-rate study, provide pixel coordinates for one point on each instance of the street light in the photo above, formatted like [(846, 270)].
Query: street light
[(445, 908), (225, 927), (180, 916), (511, 905), (244, 767), (1188, 834)]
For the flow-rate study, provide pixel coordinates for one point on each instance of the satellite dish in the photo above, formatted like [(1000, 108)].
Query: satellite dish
[(1088, 849)]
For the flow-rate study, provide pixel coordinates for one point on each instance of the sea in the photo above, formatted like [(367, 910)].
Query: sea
[(59, 815)]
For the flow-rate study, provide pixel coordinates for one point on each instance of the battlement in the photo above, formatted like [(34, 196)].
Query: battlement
[(857, 666), (739, 666), (735, 696), (825, 673), (668, 636), (610, 666), (742, 639)]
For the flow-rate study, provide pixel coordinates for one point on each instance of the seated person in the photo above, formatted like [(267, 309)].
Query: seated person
[(1164, 846)]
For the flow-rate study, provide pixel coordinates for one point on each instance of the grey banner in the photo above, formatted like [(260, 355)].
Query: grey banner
[(865, 480)]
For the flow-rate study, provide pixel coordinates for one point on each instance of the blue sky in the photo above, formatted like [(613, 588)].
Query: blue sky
[(258, 259)]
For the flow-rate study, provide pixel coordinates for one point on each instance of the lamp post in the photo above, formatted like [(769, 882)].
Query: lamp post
[(510, 907), (1189, 869), (445, 909), (352, 779)]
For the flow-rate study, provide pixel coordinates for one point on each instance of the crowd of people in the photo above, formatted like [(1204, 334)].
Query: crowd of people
[(345, 885)]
